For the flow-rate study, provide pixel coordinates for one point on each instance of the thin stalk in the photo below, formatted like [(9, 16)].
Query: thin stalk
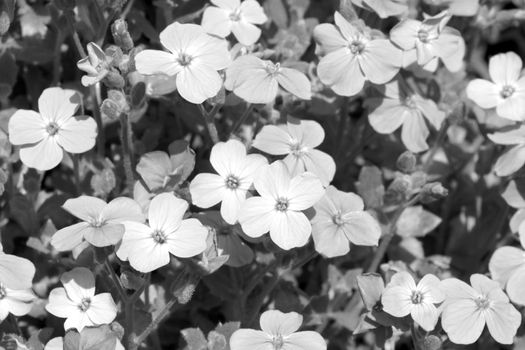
[(210, 122), (116, 280), (127, 160), (242, 119), (76, 171), (439, 140)]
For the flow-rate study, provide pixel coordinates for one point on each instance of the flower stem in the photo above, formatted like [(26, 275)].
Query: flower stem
[(76, 171), (116, 280), (127, 149), (210, 122), (242, 119)]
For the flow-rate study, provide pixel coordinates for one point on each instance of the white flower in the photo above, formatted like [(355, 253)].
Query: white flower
[(101, 222), (514, 158), (236, 171), (257, 81), (279, 332), (467, 309), (428, 41), (401, 108), (15, 272), (279, 207), (44, 136), (232, 16), (16, 302), (340, 220), (194, 58), (148, 247), (297, 140), (403, 297), (96, 65), (506, 91), (78, 303), (351, 57)]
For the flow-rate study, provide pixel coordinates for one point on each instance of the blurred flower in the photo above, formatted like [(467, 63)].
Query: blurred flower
[(78, 303), (513, 159), (15, 272), (512, 195), (56, 343), (351, 57), (194, 58), (506, 91), (458, 7), (403, 297), (279, 331), (467, 309), (340, 220), (16, 302), (256, 80), (399, 107), (101, 222), (43, 136), (384, 8), (97, 65), (236, 171), (232, 16), (279, 207), (428, 41), (297, 140), (148, 247)]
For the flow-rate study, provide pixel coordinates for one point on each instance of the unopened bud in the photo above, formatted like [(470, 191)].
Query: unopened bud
[(399, 189), (115, 53), (121, 35), (120, 99), (433, 191), (110, 109), (114, 80), (5, 22), (430, 342), (406, 162)]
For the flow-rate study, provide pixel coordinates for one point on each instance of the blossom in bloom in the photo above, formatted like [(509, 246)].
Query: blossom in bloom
[(232, 16), (101, 223), (278, 331), (352, 56), (236, 171), (194, 58), (96, 65), (297, 140), (428, 41), (514, 158), (384, 8), (44, 136), (279, 207), (467, 309), (15, 273), (16, 302), (77, 301), (399, 107), (257, 81), (403, 297), (506, 91), (340, 220), (148, 247)]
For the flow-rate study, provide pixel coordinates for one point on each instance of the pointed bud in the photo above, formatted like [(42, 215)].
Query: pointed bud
[(121, 35)]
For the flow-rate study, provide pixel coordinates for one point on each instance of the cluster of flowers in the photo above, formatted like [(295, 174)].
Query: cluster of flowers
[(271, 185)]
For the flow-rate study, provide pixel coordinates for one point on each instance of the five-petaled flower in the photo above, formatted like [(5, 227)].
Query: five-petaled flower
[(148, 247), (279, 207), (232, 16), (44, 136), (236, 171), (77, 301), (403, 297), (194, 59), (279, 332), (467, 309), (257, 81), (101, 223), (506, 91), (351, 56), (297, 140), (340, 220)]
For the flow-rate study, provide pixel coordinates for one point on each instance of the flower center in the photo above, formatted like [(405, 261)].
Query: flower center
[(3, 292), (97, 223), (235, 16), (507, 91), (482, 302), (338, 219), (52, 128), (277, 342), (159, 237), (297, 149), (282, 204), (273, 68), (378, 307), (423, 36), (232, 182), (356, 47), (84, 304), (184, 59), (410, 103), (417, 297)]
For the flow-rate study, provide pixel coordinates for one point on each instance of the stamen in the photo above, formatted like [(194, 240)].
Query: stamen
[(282, 204), (232, 182), (84, 304), (159, 237), (52, 128)]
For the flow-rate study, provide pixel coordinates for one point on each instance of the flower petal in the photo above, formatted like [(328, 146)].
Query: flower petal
[(462, 321), (503, 321), (245, 32), (295, 82), (105, 235), (165, 212), (273, 181), (290, 229), (60, 305), (340, 70), (307, 132), (304, 191), (388, 116), (414, 133), (231, 205), (426, 315), (483, 92), (150, 62), (329, 240), (405, 33), (361, 228), (77, 134), (26, 126), (188, 240), (275, 322), (16, 272), (256, 216), (69, 237), (505, 68), (320, 164), (207, 190), (305, 340), (102, 309), (328, 38), (196, 83), (86, 208), (505, 261), (122, 209), (273, 140), (396, 300), (510, 161), (216, 21), (252, 12), (79, 283), (243, 339), (43, 155), (57, 104), (228, 158), (512, 108), (380, 61)]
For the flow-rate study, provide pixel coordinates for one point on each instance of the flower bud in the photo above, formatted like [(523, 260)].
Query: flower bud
[(406, 162), (430, 342), (114, 80), (115, 53), (121, 35), (433, 191), (110, 109), (5, 22)]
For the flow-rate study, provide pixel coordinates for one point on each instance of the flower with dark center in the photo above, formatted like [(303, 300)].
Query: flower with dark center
[(282, 204), (273, 68), (52, 128), (338, 219), (232, 182), (482, 302), (507, 91), (184, 59), (423, 36), (278, 342), (159, 237), (417, 297), (236, 15), (356, 47), (84, 304)]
